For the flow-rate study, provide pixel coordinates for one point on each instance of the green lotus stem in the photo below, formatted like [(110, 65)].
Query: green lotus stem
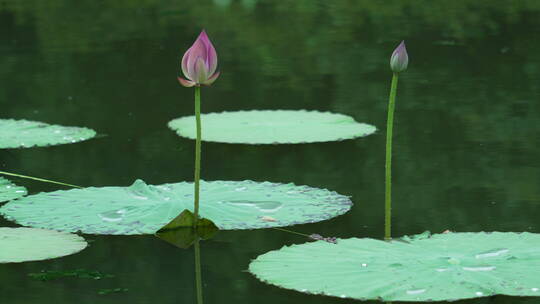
[(39, 179), (198, 277), (388, 163), (290, 231), (197, 153)]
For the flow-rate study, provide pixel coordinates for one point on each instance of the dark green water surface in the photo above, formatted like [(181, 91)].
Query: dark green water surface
[(467, 126)]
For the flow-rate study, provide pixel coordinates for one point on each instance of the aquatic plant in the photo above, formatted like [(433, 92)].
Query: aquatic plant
[(31, 244), (39, 179), (9, 191), (273, 127), (144, 209), (26, 134), (199, 66), (182, 233), (439, 267), (398, 63)]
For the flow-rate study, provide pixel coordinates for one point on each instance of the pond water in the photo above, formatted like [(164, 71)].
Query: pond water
[(466, 135)]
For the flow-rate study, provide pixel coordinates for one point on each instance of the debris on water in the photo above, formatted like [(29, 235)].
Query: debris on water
[(268, 219), (319, 237), (416, 291), (112, 290), (47, 275)]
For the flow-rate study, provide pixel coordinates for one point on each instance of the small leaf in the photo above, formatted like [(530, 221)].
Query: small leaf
[(181, 233), (186, 219)]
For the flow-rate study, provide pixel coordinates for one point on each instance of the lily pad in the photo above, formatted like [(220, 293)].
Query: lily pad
[(441, 267), (144, 209), (9, 191), (30, 244), (272, 127), (26, 134)]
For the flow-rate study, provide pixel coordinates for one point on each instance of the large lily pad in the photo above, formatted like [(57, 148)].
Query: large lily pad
[(272, 127), (144, 209), (25, 134), (440, 267), (9, 191), (30, 244)]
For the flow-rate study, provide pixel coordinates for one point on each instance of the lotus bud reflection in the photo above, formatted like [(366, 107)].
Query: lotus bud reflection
[(199, 63), (399, 59)]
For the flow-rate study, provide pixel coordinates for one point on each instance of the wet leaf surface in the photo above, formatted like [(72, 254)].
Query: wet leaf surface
[(144, 209), (440, 267), (9, 191)]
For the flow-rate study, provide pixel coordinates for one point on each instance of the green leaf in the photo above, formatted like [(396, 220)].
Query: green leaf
[(181, 233), (144, 209), (26, 134), (443, 267), (272, 127), (186, 219), (29, 244), (10, 191)]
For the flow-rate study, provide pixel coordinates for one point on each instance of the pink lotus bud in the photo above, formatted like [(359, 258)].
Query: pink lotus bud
[(399, 59), (199, 63)]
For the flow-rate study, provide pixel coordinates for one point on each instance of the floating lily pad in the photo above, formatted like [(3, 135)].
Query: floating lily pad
[(9, 191), (272, 127), (144, 209), (30, 244), (442, 267), (25, 134)]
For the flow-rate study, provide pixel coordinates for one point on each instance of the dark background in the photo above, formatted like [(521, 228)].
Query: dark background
[(466, 145)]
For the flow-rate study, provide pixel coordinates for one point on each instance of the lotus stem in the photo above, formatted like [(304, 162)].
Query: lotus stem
[(198, 276), (39, 179), (290, 231), (197, 153), (388, 163)]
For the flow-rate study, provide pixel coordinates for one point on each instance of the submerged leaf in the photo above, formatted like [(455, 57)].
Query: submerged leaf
[(9, 191), (29, 244), (186, 219), (181, 233), (273, 127), (144, 209), (25, 134), (441, 267)]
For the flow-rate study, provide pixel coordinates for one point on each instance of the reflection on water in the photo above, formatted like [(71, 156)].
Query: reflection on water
[(466, 143), (198, 274)]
